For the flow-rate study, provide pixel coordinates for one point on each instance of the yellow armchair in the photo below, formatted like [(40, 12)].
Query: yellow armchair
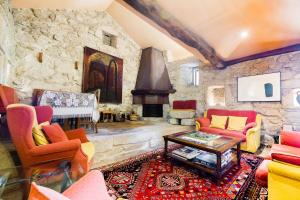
[(283, 181)]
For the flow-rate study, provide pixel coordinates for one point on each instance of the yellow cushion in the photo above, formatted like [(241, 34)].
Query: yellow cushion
[(88, 149), (38, 135), (218, 121), (236, 123)]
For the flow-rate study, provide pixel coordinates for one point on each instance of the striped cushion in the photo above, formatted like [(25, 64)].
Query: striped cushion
[(38, 135)]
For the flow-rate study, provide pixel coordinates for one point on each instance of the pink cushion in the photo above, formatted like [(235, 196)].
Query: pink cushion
[(224, 132), (188, 104), (248, 126), (42, 193), (91, 186), (55, 133), (261, 174), (204, 122)]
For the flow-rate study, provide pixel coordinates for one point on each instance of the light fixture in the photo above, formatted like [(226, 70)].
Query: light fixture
[(244, 34)]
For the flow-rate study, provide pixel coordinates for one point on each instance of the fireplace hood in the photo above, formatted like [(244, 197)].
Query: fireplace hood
[(153, 84)]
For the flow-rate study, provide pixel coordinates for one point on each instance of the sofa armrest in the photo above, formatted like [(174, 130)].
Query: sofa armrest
[(90, 186), (290, 138), (249, 126), (287, 157), (77, 134), (285, 170), (70, 145), (203, 121)]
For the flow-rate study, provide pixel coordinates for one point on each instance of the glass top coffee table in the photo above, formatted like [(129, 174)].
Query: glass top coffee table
[(14, 184), (209, 153)]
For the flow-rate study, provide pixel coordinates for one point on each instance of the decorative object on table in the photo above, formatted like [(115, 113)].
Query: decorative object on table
[(266, 87), (150, 176), (105, 72), (183, 113), (133, 116)]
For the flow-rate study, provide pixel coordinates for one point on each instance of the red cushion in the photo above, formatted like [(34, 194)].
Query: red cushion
[(188, 104), (204, 122), (261, 174), (250, 114), (224, 132), (286, 153), (55, 133)]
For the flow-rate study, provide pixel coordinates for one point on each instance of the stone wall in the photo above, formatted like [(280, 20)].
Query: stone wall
[(184, 91), (61, 35), (7, 43), (275, 114)]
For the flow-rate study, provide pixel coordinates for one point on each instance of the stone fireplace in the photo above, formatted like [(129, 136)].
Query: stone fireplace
[(152, 110), (153, 84)]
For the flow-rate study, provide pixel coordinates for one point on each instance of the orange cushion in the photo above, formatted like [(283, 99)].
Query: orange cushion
[(55, 133)]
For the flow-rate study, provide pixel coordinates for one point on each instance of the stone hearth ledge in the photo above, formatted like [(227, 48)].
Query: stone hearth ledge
[(118, 147)]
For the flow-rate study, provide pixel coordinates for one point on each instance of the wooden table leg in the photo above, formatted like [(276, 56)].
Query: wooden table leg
[(166, 148), (219, 166), (238, 154)]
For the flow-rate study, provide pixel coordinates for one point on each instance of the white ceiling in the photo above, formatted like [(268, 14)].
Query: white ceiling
[(270, 24)]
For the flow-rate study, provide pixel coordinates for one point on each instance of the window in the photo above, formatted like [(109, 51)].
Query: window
[(109, 39), (190, 74), (195, 79)]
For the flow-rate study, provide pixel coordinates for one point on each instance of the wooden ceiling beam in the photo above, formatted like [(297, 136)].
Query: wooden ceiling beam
[(154, 12)]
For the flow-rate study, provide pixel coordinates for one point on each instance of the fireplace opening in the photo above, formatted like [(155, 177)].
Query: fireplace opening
[(152, 110)]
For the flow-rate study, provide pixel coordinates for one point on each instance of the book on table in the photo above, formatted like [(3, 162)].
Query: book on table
[(202, 157), (210, 160)]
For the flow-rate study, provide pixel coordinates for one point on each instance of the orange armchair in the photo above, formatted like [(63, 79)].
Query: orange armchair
[(21, 119), (7, 96)]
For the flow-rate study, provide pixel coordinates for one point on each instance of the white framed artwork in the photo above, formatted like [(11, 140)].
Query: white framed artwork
[(266, 87)]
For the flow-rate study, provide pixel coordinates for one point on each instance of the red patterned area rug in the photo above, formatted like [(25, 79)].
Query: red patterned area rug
[(150, 176)]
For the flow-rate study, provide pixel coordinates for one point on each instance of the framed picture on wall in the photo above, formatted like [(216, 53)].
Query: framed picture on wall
[(103, 72), (260, 88)]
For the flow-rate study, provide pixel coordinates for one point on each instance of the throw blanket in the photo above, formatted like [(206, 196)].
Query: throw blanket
[(69, 104)]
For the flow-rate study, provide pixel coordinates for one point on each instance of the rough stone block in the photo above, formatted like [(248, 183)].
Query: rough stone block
[(188, 122)]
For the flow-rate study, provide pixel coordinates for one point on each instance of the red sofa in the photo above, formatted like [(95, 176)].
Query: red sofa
[(250, 134)]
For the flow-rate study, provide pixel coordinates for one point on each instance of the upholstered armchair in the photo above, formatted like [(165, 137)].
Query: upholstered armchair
[(280, 171), (7, 96), (90, 187), (21, 119)]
